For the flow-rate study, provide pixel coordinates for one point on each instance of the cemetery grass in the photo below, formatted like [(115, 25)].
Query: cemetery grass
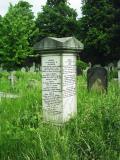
[(94, 134)]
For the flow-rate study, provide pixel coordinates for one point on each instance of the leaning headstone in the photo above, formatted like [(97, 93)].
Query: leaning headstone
[(97, 79), (118, 70), (59, 77)]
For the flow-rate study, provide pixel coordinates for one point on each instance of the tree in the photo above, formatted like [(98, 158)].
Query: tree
[(55, 2), (95, 29), (18, 28), (57, 19), (115, 39), (1, 46)]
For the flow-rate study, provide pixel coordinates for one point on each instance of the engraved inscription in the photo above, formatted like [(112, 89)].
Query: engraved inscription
[(51, 84), (69, 76)]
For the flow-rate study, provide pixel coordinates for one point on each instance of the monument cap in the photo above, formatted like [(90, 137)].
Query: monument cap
[(52, 43)]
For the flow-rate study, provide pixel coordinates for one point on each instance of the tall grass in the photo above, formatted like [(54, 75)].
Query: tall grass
[(94, 134)]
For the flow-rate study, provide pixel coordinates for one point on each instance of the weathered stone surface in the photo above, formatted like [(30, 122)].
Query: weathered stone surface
[(59, 77), (51, 43), (97, 79), (59, 87)]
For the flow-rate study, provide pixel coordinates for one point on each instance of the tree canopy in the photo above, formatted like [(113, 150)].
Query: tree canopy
[(97, 30), (57, 19), (17, 29)]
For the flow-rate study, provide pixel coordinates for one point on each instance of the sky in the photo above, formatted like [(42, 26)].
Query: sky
[(37, 4)]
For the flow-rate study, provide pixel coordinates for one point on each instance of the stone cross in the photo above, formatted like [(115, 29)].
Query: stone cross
[(59, 97)]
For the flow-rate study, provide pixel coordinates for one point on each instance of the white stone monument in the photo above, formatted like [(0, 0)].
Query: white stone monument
[(59, 97), (119, 71)]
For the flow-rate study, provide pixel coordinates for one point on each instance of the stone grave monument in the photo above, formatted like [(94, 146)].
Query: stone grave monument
[(59, 97), (32, 68), (118, 66), (97, 79), (23, 69), (12, 78)]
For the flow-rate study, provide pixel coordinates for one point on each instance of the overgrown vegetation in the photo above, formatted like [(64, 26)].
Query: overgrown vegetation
[(93, 134), (99, 30)]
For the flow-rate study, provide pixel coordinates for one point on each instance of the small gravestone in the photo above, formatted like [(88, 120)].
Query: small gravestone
[(23, 70), (12, 78), (97, 79), (59, 97), (86, 69), (118, 70), (110, 67), (32, 69)]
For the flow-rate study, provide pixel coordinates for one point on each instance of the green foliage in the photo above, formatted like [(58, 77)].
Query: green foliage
[(97, 29), (115, 39), (81, 64), (92, 134), (57, 19), (55, 2), (113, 74), (18, 29)]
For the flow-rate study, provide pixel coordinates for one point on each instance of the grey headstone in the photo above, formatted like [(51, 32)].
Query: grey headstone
[(97, 79)]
